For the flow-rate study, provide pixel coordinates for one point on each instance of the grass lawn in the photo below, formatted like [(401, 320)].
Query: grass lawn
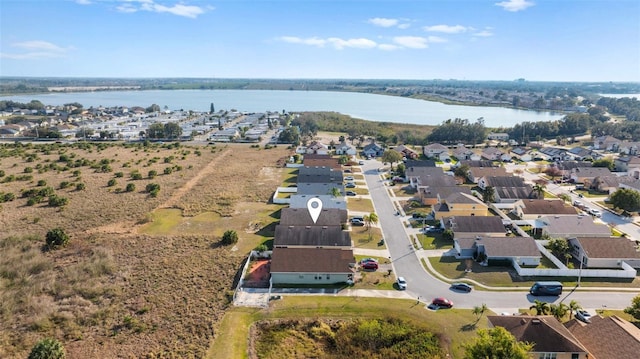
[(403, 190), (360, 190), (360, 238), (359, 204), (456, 326), (434, 241)]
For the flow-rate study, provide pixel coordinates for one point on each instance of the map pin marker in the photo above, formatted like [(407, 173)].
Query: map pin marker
[(314, 205)]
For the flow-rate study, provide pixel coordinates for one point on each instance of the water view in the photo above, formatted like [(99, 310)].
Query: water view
[(360, 105)]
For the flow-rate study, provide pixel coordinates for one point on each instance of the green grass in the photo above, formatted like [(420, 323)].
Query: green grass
[(434, 241), (360, 238), (360, 190), (456, 326), (163, 221), (359, 204)]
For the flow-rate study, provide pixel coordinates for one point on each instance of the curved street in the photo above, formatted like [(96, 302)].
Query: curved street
[(422, 285)]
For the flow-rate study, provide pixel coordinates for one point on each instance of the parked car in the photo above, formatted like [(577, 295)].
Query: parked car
[(347, 171), (357, 222), (432, 229), (583, 315), (595, 212), (462, 287), (350, 193), (350, 185), (348, 178), (402, 283), (370, 265), (360, 162), (365, 260), (357, 218), (442, 302)]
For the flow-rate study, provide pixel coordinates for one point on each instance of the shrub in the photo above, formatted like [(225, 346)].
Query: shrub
[(112, 182), (136, 175), (2, 173), (130, 187), (28, 170), (80, 186), (64, 184), (42, 183), (57, 238), (229, 237), (58, 201), (153, 174), (168, 170), (76, 173), (47, 349), (119, 174), (7, 197)]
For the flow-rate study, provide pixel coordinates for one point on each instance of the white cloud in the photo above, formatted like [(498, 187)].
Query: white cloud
[(36, 49), (126, 8), (383, 22), (335, 42), (190, 11), (313, 41), (83, 2), (389, 47), (484, 33), (447, 29), (515, 5), (436, 39), (412, 42)]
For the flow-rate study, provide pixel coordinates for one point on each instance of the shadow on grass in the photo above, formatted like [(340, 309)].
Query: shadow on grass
[(268, 230), (276, 214), (469, 327)]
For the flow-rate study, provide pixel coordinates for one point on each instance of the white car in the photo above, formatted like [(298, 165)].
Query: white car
[(595, 212), (402, 283), (583, 315)]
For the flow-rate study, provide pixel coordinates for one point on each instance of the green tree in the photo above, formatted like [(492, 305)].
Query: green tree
[(172, 130), (625, 199), (542, 308), (152, 108), (573, 306), (564, 197), (369, 220), (47, 348), (489, 194), (604, 162), (496, 343), (392, 157), (156, 130), (289, 135), (538, 189), (447, 235), (559, 310), (229, 237), (634, 309), (56, 238), (335, 192), (479, 311), (462, 171), (559, 247)]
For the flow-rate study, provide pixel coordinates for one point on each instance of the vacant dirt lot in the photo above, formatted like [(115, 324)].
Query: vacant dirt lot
[(130, 283)]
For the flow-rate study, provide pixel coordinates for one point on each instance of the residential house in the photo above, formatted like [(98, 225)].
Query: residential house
[(521, 250), (498, 136), (586, 175), (528, 209), (328, 201), (311, 266), (566, 167), (478, 173), (477, 163), (630, 183), (607, 143), (406, 152), (629, 148), (521, 154), (317, 148), (492, 153), (421, 176), (459, 204), (319, 174), (301, 217), (433, 194), (434, 150), (312, 237), (319, 188), (419, 163), (501, 181), (605, 252), (606, 184), (463, 153), (627, 163), (571, 227), (581, 154), (607, 337), (344, 149), (556, 154), (513, 194), (474, 226), (373, 150), (312, 160), (549, 337)]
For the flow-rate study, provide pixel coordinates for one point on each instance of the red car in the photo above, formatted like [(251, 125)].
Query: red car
[(370, 265), (442, 303)]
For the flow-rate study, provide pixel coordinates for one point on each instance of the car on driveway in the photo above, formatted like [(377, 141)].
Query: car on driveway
[(583, 315), (370, 265), (365, 260), (348, 178), (402, 283), (442, 302), (357, 222), (351, 193), (463, 287), (350, 185)]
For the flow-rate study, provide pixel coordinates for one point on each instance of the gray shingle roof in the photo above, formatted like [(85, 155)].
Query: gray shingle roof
[(316, 236), (301, 217), (613, 247)]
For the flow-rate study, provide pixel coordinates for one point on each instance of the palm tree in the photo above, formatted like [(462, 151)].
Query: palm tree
[(559, 310), (538, 189), (335, 192), (541, 307), (573, 306), (479, 311)]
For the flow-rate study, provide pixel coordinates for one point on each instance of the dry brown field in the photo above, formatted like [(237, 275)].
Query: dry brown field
[(141, 276)]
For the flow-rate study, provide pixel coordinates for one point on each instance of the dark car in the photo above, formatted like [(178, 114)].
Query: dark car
[(350, 185), (370, 265), (442, 303), (462, 287), (350, 193), (357, 222)]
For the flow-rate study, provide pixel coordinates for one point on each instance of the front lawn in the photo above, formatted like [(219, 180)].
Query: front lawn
[(359, 204), (434, 241), (361, 239)]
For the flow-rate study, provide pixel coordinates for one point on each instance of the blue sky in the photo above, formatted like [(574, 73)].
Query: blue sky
[(539, 40)]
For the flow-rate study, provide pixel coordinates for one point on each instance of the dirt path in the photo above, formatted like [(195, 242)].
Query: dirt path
[(207, 170)]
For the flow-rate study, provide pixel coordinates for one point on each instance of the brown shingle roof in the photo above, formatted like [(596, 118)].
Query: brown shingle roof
[(315, 236), (614, 247), (311, 260), (544, 207), (475, 224), (610, 337), (544, 331), (510, 247)]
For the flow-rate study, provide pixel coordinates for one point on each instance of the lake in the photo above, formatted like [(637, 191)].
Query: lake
[(372, 107)]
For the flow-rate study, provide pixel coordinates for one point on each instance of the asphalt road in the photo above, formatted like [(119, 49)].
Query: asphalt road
[(406, 262)]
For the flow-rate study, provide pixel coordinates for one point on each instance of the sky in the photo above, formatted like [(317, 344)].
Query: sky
[(538, 40)]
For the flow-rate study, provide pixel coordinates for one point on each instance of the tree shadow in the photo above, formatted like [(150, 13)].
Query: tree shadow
[(268, 230), (469, 327)]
